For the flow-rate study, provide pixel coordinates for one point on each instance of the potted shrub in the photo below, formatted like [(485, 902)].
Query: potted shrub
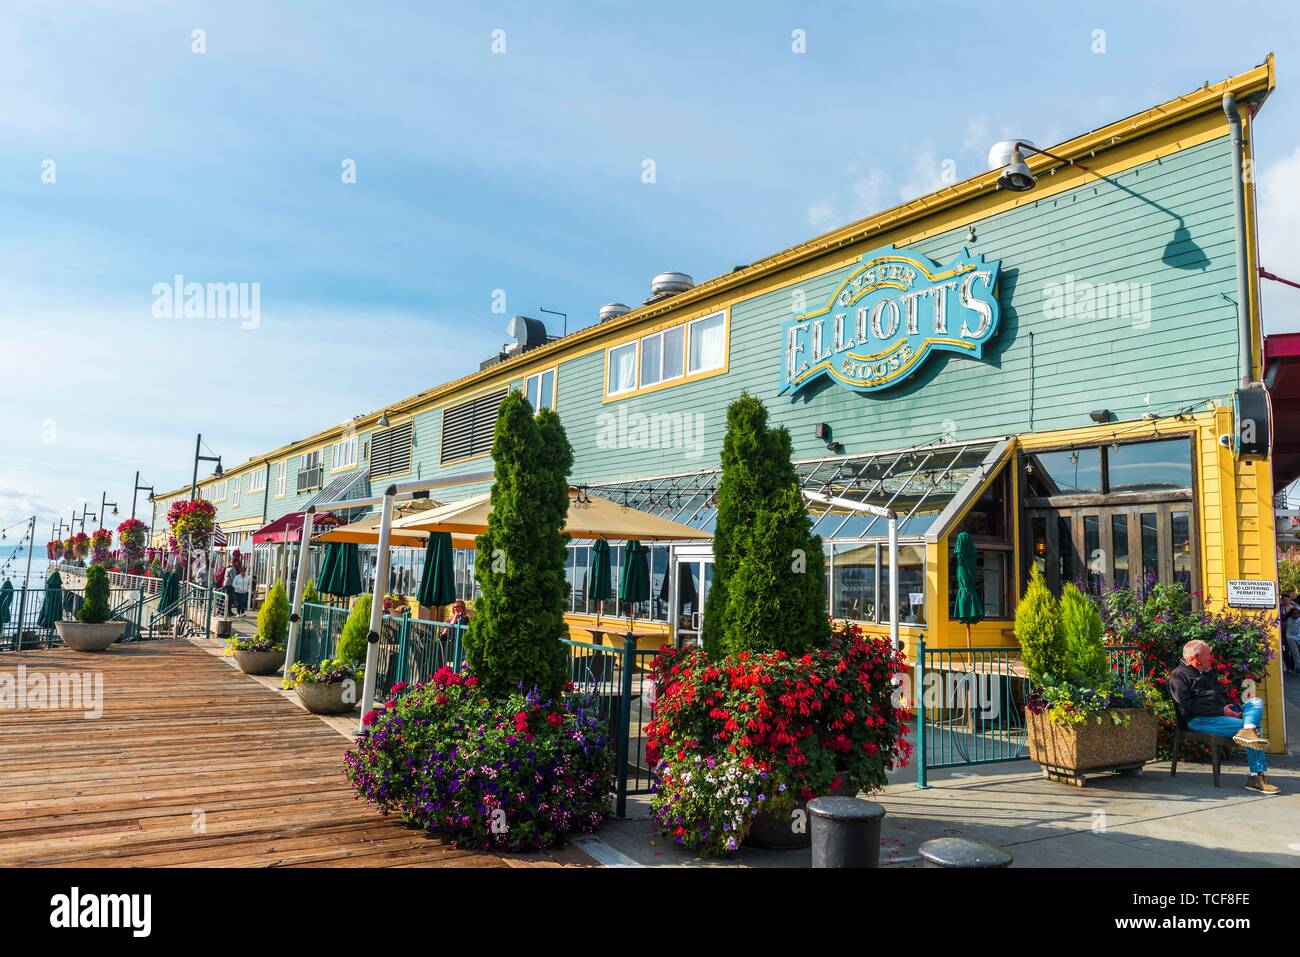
[(1077, 720), (93, 630), (263, 654), (334, 685), (779, 706), (500, 754)]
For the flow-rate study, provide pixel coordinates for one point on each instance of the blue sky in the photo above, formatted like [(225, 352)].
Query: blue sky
[(478, 171)]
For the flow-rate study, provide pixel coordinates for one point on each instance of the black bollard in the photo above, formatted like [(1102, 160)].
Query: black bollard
[(960, 852), (845, 832)]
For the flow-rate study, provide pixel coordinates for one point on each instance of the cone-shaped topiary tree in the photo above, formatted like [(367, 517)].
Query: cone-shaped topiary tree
[(1038, 629), (763, 546), (273, 617), (355, 634), (514, 637), (1085, 652), (778, 588), (95, 609)]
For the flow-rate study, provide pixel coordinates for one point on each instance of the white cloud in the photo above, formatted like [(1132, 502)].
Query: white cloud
[(1279, 241)]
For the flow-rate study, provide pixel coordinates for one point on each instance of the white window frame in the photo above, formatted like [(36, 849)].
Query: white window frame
[(635, 346), (349, 461), (219, 491), (281, 478), (312, 459), (661, 335), (235, 490), (722, 361), (257, 481), (539, 377)]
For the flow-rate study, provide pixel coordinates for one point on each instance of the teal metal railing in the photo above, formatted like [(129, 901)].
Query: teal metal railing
[(412, 649), (319, 633), (29, 627), (616, 680), (970, 704)]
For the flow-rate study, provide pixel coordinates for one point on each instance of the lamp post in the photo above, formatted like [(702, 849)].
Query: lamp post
[(85, 514), (194, 483), (103, 504), (139, 488)]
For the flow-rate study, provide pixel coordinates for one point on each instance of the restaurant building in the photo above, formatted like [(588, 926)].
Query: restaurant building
[(1062, 356)]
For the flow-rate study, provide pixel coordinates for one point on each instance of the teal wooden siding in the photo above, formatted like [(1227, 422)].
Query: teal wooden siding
[(294, 502), (1124, 230)]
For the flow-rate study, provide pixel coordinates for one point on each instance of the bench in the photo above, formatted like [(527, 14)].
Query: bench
[(1216, 742)]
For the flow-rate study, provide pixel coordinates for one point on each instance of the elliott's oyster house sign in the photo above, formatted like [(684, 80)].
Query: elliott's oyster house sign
[(888, 315)]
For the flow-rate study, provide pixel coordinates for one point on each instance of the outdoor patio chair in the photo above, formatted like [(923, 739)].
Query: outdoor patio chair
[(1217, 743)]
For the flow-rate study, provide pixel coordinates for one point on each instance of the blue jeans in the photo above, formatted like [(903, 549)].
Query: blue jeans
[(1252, 713)]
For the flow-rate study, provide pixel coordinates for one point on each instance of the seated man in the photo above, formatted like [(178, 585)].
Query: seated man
[(1202, 706)]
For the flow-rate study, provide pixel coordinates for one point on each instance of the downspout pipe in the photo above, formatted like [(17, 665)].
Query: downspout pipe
[(1239, 228)]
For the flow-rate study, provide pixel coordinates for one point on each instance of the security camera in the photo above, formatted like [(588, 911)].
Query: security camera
[(1226, 440)]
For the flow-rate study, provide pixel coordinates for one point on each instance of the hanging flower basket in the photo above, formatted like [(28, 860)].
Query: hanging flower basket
[(192, 522)]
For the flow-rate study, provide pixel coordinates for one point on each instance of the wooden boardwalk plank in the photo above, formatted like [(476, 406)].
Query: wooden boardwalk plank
[(183, 733)]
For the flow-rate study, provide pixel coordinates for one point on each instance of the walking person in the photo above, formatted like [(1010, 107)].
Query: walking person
[(243, 585), (228, 586)]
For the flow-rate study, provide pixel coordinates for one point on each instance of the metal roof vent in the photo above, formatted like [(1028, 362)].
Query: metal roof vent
[(670, 282), (527, 332), (613, 310)]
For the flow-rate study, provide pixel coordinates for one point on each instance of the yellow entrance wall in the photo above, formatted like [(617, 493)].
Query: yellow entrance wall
[(1234, 508)]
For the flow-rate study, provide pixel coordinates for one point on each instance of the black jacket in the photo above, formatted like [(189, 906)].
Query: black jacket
[(1196, 694)]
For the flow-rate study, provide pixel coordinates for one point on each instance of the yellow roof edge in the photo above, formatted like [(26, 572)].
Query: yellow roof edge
[(1259, 81)]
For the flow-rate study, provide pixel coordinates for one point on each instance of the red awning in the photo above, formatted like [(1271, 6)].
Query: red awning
[(1282, 374), (288, 528)]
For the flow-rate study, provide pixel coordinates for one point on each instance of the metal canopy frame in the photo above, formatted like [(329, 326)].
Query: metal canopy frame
[(899, 481)]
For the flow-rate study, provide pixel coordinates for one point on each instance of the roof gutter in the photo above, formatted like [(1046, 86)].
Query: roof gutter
[(1244, 359)]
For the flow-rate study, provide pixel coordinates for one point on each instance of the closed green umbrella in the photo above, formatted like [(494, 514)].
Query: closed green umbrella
[(634, 580), (341, 570), (600, 584), (970, 609), (969, 606), (52, 607), (170, 591), (438, 581), (327, 567), (6, 601)]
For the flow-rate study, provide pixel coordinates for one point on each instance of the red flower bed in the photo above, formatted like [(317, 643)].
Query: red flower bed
[(788, 728)]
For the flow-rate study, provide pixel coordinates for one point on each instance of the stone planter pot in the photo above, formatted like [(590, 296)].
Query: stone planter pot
[(780, 831), (84, 637), (259, 662), (328, 697), (1068, 752)]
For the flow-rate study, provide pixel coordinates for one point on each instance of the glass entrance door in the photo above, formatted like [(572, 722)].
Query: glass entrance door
[(692, 576)]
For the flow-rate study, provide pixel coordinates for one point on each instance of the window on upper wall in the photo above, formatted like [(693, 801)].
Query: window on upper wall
[(662, 355), (345, 453), (257, 481), (708, 343), (666, 356), (236, 486), (219, 492), (622, 368), (281, 478), (539, 390)]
